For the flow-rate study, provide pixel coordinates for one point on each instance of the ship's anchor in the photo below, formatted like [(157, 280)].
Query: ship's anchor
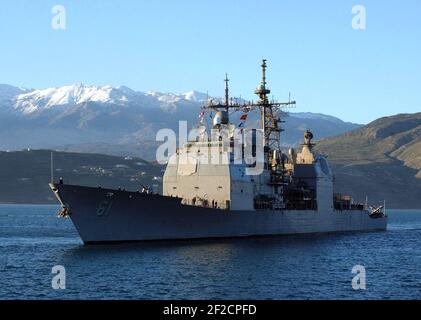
[(64, 212)]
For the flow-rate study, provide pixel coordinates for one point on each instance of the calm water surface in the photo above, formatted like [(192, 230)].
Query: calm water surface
[(33, 240)]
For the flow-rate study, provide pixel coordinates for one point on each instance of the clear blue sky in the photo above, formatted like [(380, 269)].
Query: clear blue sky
[(177, 46)]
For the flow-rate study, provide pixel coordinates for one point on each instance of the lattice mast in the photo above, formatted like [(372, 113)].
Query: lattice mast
[(270, 114), (269, 110), (227, 95)]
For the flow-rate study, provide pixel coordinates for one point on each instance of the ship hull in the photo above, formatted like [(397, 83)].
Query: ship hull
[(104, 216)]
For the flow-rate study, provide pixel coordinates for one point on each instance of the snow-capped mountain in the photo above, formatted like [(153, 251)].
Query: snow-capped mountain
[(174, 98), (75, 94), (9, 93), (38, 100), (118, 118)]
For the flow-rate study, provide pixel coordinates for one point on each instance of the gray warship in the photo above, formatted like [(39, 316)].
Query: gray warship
[(292, 194)]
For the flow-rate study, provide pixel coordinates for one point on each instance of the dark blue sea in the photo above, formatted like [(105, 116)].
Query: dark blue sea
[(33, 240)]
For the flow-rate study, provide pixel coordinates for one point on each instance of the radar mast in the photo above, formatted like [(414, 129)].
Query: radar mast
[(270, 111), (226, 91)]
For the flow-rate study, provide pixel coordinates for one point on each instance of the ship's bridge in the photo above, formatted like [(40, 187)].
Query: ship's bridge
[(203, 174)]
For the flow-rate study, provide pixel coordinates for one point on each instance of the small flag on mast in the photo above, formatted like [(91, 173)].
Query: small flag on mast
[(243, 119)]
